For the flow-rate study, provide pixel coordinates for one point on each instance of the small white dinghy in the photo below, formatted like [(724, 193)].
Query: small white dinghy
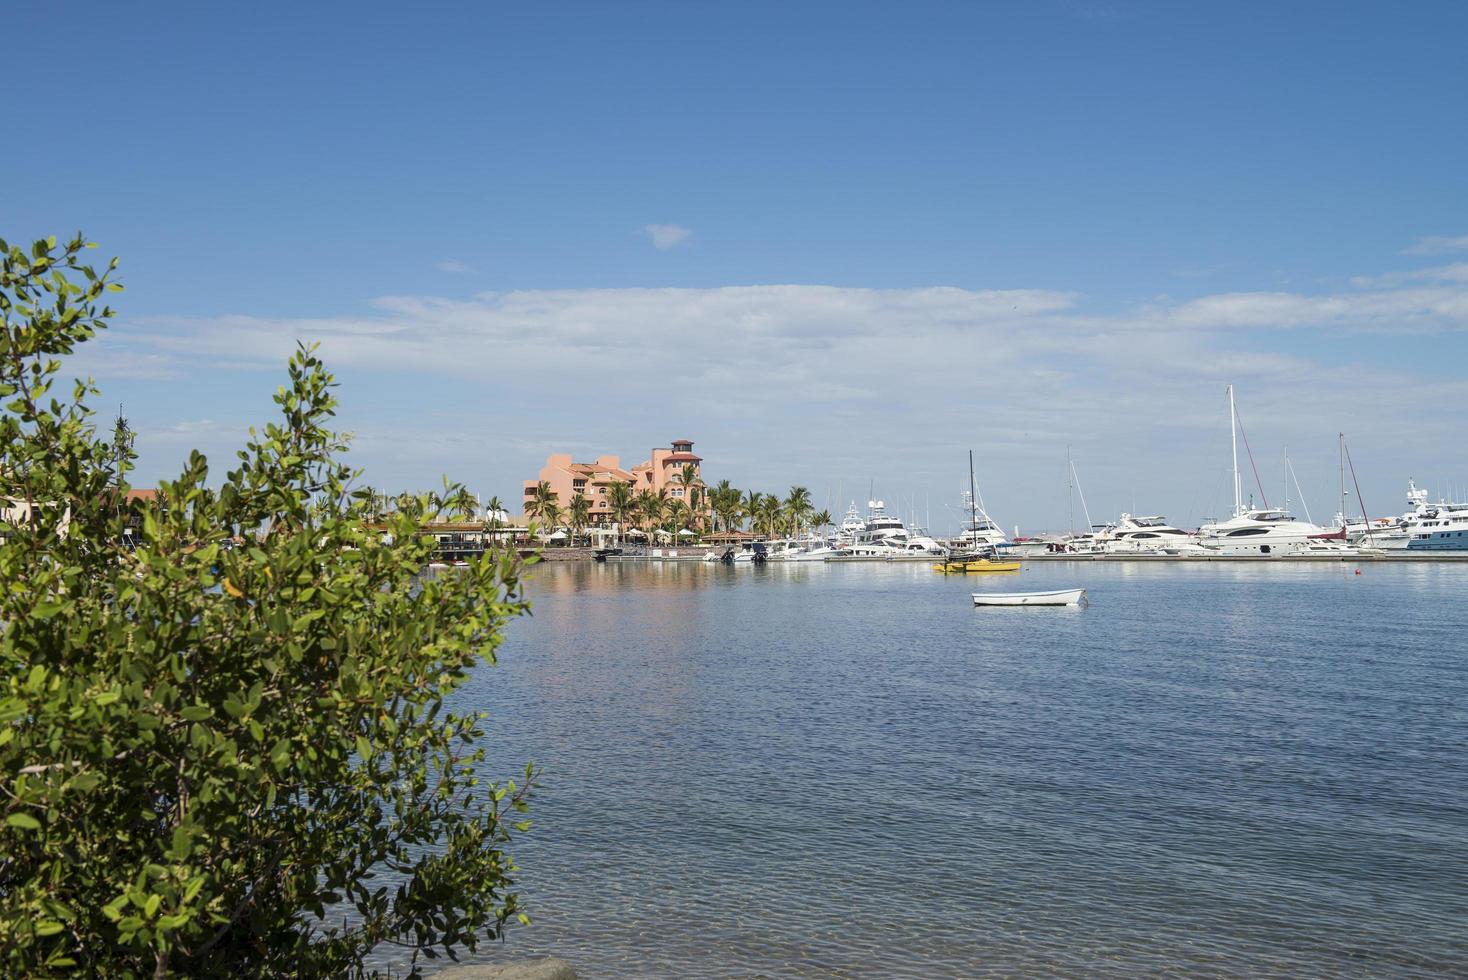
[(1059, 597)]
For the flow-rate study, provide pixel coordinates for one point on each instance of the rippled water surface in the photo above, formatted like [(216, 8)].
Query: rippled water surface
[(848, 770)]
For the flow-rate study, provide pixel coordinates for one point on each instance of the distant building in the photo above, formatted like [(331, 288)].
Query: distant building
[(663, 470), (591, 480)]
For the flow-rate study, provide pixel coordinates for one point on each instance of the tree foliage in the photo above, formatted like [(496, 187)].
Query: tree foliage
[(227, 751)]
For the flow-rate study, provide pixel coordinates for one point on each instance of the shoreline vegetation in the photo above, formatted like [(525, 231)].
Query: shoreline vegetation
[(222, 721)]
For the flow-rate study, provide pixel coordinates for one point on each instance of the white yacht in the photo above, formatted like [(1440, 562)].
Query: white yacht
[(806, 548), (1089, 542), (883, 535), (851, 526), (1442, 526), (1260, 531), (978, 531), (1264, 532), (1143, 535)]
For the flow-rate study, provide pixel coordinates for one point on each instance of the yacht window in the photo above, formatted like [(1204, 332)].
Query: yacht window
[(1244, 532)]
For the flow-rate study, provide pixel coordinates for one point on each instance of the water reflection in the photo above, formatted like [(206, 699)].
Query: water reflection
[(808, 770)]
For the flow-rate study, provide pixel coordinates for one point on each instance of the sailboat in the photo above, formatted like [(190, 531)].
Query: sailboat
[(1257, 530), (977, 562)]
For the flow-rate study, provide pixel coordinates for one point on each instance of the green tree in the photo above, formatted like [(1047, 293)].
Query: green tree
[(650, 508), (578, 515), (770, 514), (620, 498), (749, 507), (545, 507), (724, 500), (226, 752), (797, 508), (493, 509)]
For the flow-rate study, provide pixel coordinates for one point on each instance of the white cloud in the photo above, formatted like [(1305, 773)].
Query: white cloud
[(1437, 244), (667, 236), (790, 384), (1455, 273), (454, 267)]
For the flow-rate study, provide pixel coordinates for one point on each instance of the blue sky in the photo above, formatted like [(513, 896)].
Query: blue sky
[(832, 243)]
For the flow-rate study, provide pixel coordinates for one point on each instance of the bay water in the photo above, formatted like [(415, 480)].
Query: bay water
[(816, 770)]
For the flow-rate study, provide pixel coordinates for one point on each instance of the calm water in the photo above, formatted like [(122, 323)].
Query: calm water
[(1229, 770)]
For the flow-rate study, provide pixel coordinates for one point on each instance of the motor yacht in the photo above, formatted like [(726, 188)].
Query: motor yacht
[(807, 548), (884, 535), (978, 530), (1142, 535), (1260, 531), (1442, 526), (1263, 532)]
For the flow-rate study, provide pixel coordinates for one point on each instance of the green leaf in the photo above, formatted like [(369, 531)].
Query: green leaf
[(23, 821)]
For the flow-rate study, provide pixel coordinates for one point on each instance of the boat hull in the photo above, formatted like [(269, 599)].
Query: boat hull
[(1058, 597)]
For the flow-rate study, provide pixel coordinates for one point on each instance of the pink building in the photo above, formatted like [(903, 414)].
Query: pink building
[(662, 471), (568, 479)]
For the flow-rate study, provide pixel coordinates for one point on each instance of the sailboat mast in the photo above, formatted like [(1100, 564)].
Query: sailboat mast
[(1070, 494), (1341, 448), (973, 504), (1233, 434), (1080, 492), (1287, 480)]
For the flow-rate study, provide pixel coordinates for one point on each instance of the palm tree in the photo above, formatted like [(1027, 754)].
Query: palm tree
[(661, 508), (492, 517), (724, 500), (544, 505), (409, 503), (679, 516), (375, 502), (692, 491), (621, 499), (551, 515), (822, 520), (695, 508), (579, 514), (769, 513), (649, 509), (797, 507), (750, 506), (462, 503)]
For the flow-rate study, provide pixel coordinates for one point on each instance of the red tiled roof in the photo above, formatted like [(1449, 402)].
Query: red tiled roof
[(682, 458)]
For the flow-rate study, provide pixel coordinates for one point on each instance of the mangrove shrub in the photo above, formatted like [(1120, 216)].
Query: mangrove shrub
[(224, 742)]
